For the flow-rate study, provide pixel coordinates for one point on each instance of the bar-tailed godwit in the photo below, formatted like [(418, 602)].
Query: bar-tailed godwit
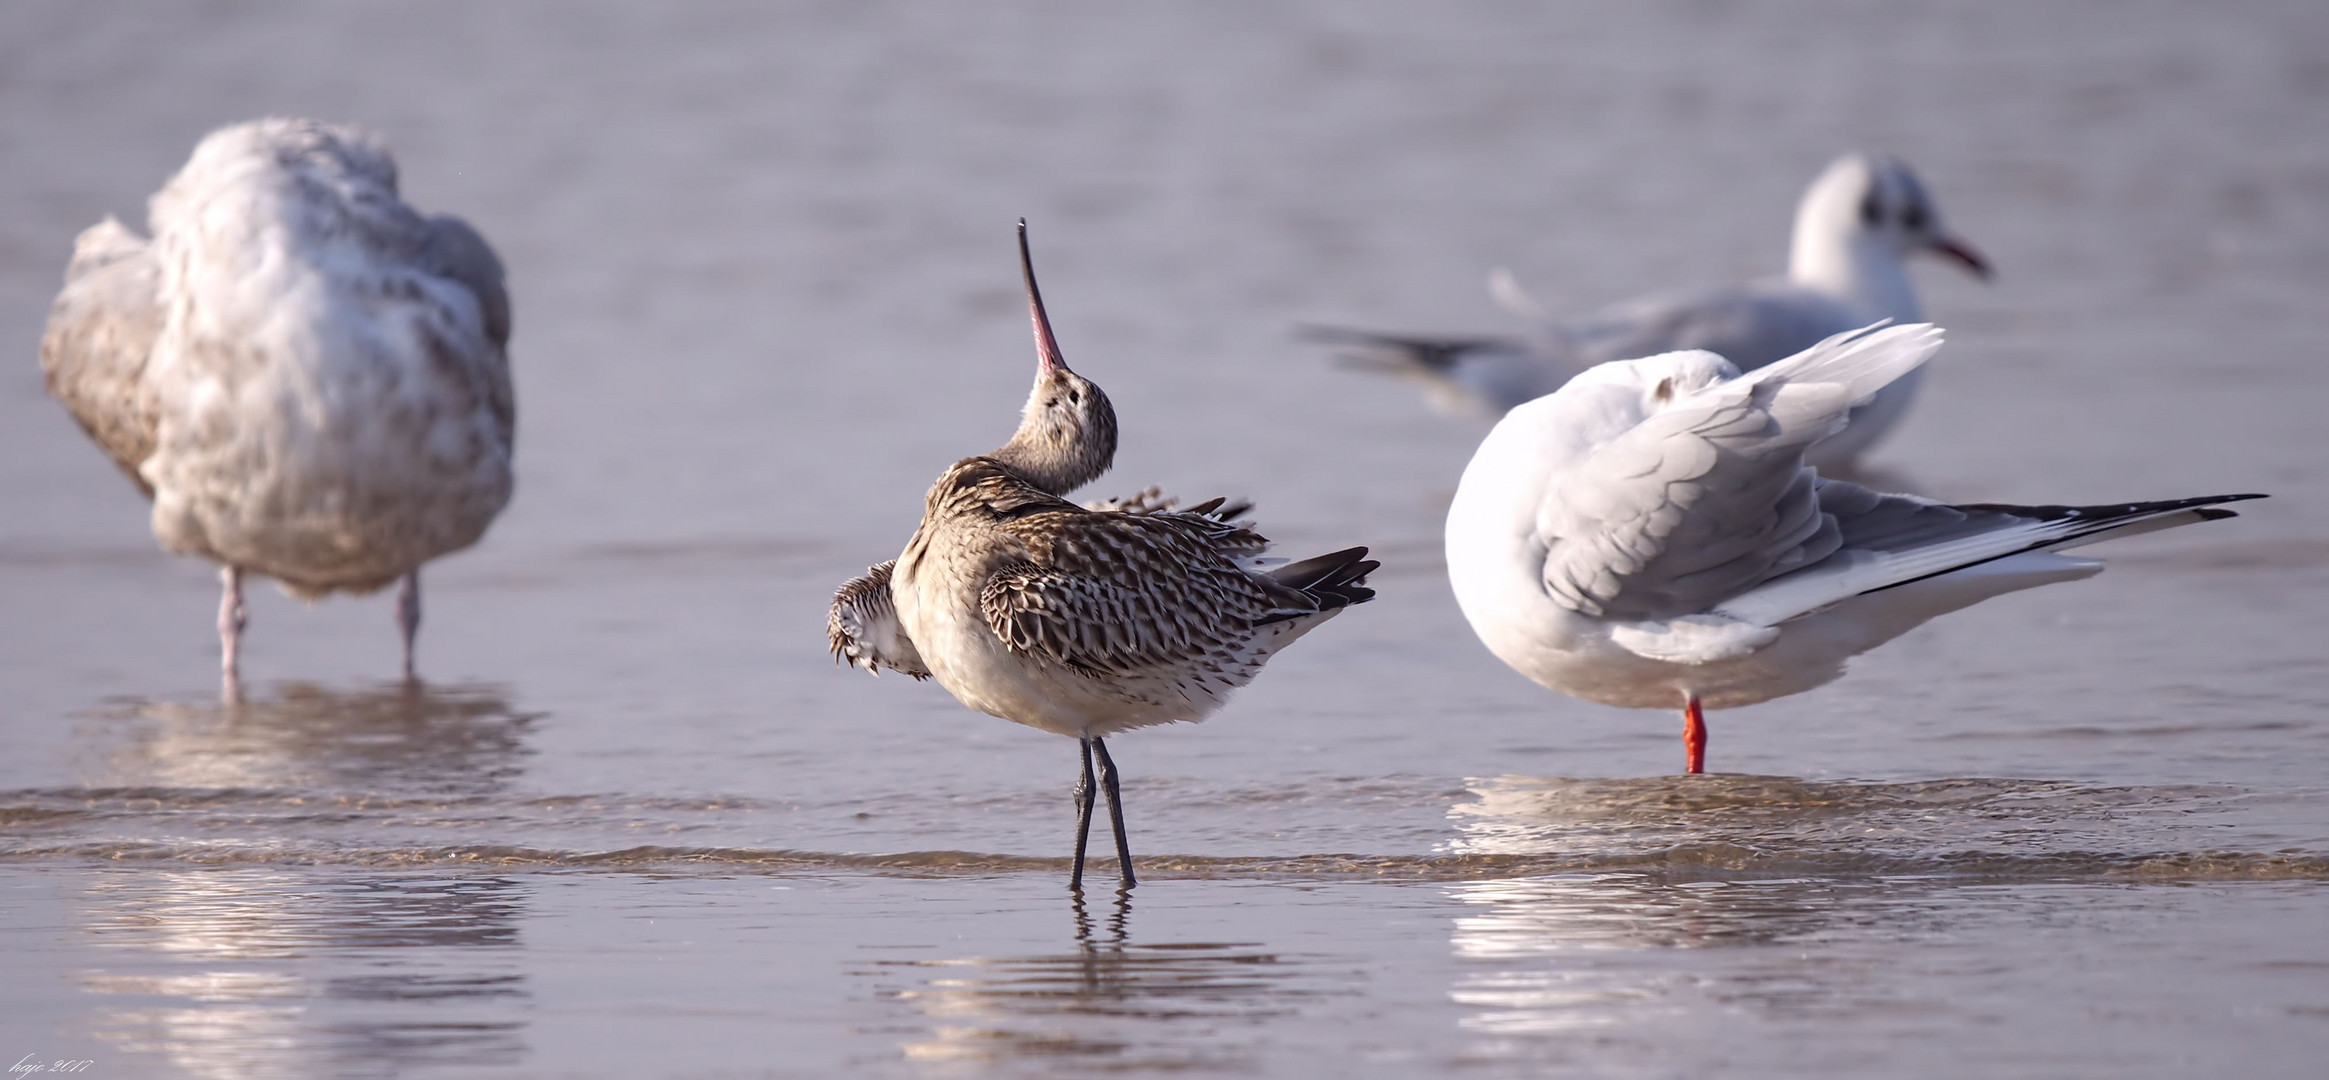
[(1079, 621)]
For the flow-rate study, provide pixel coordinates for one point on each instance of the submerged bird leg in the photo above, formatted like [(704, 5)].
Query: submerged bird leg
[(231, 619), (1693, 736), (1115, 813), (1085, 790), (408, 615)]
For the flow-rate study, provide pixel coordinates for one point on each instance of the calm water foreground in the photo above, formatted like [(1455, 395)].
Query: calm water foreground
[(637, 824)]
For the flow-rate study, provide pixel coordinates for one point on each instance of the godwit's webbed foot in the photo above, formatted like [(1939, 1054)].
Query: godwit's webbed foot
[(1115, 813)]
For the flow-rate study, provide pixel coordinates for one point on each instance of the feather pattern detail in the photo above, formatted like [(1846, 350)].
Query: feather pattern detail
[(863, 626)]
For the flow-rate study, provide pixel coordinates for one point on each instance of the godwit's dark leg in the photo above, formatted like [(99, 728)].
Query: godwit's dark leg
[(1115, 813), (1085, 791), (1693, 736), (231, 620), (408, 615)]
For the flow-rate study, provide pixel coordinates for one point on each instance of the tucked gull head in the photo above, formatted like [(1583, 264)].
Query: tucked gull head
[(308, 376)]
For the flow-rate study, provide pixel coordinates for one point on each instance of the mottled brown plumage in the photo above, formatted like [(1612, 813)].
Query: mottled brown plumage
[(1083, 621), (863, 626)]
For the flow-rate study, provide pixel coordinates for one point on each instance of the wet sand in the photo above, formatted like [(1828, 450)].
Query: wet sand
[(637, 822)]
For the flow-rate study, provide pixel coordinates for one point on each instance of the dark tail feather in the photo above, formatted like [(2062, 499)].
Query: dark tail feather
[(1153, 500), (2090, 523), (1399, 352), (2093, 524), (1336, 579), (1221, 509)]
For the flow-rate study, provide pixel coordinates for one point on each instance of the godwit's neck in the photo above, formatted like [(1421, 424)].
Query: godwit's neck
[(1066, 436)]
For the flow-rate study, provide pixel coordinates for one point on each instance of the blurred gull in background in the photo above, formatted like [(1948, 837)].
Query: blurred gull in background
[(1854, 231), (304, 374)]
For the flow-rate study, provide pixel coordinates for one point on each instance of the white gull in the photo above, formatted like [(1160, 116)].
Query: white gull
[(1649, 536), (305, 374)]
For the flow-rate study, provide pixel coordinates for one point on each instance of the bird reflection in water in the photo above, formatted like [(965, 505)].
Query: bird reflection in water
[(1724, 881), (1721, 881), (407, 737), (1626, 955), (263, 972), (1112, 1002), (250, 968)]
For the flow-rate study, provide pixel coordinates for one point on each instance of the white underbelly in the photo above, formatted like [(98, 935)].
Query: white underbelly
[(1577, 657), (981, 672)]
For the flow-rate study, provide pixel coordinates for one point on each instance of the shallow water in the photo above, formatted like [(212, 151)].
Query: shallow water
[(638, 824)]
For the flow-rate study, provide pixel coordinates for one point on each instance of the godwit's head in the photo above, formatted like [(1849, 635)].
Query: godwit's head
[(1067, 432)]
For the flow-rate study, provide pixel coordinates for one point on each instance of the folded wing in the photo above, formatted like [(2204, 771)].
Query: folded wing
[(1126, 594), (1707, 496), (1886, 541)]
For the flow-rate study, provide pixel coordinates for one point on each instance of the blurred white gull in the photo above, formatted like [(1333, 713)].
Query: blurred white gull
[(1081, 621), (1855, 229), (304, 374), (1649, 536)]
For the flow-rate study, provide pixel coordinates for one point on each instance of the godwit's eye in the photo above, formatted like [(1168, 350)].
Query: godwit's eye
[(1915, 217), (1075, 397)]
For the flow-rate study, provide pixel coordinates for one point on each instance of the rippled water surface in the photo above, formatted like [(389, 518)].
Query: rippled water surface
[(636, 823)]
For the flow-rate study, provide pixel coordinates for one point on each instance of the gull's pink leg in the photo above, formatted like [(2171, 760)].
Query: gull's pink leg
[(231, 620), (1693, 736), (408, 616)]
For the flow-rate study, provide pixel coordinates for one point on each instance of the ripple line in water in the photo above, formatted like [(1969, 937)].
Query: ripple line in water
[(1680, 861), (35, 806)]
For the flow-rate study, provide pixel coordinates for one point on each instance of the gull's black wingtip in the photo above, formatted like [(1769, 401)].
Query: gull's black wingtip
[(2211, 510)]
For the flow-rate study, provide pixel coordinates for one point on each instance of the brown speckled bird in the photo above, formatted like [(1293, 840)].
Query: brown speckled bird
[(1081, 621)]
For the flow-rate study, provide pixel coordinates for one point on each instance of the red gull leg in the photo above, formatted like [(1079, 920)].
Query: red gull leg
[(1693, 736)]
